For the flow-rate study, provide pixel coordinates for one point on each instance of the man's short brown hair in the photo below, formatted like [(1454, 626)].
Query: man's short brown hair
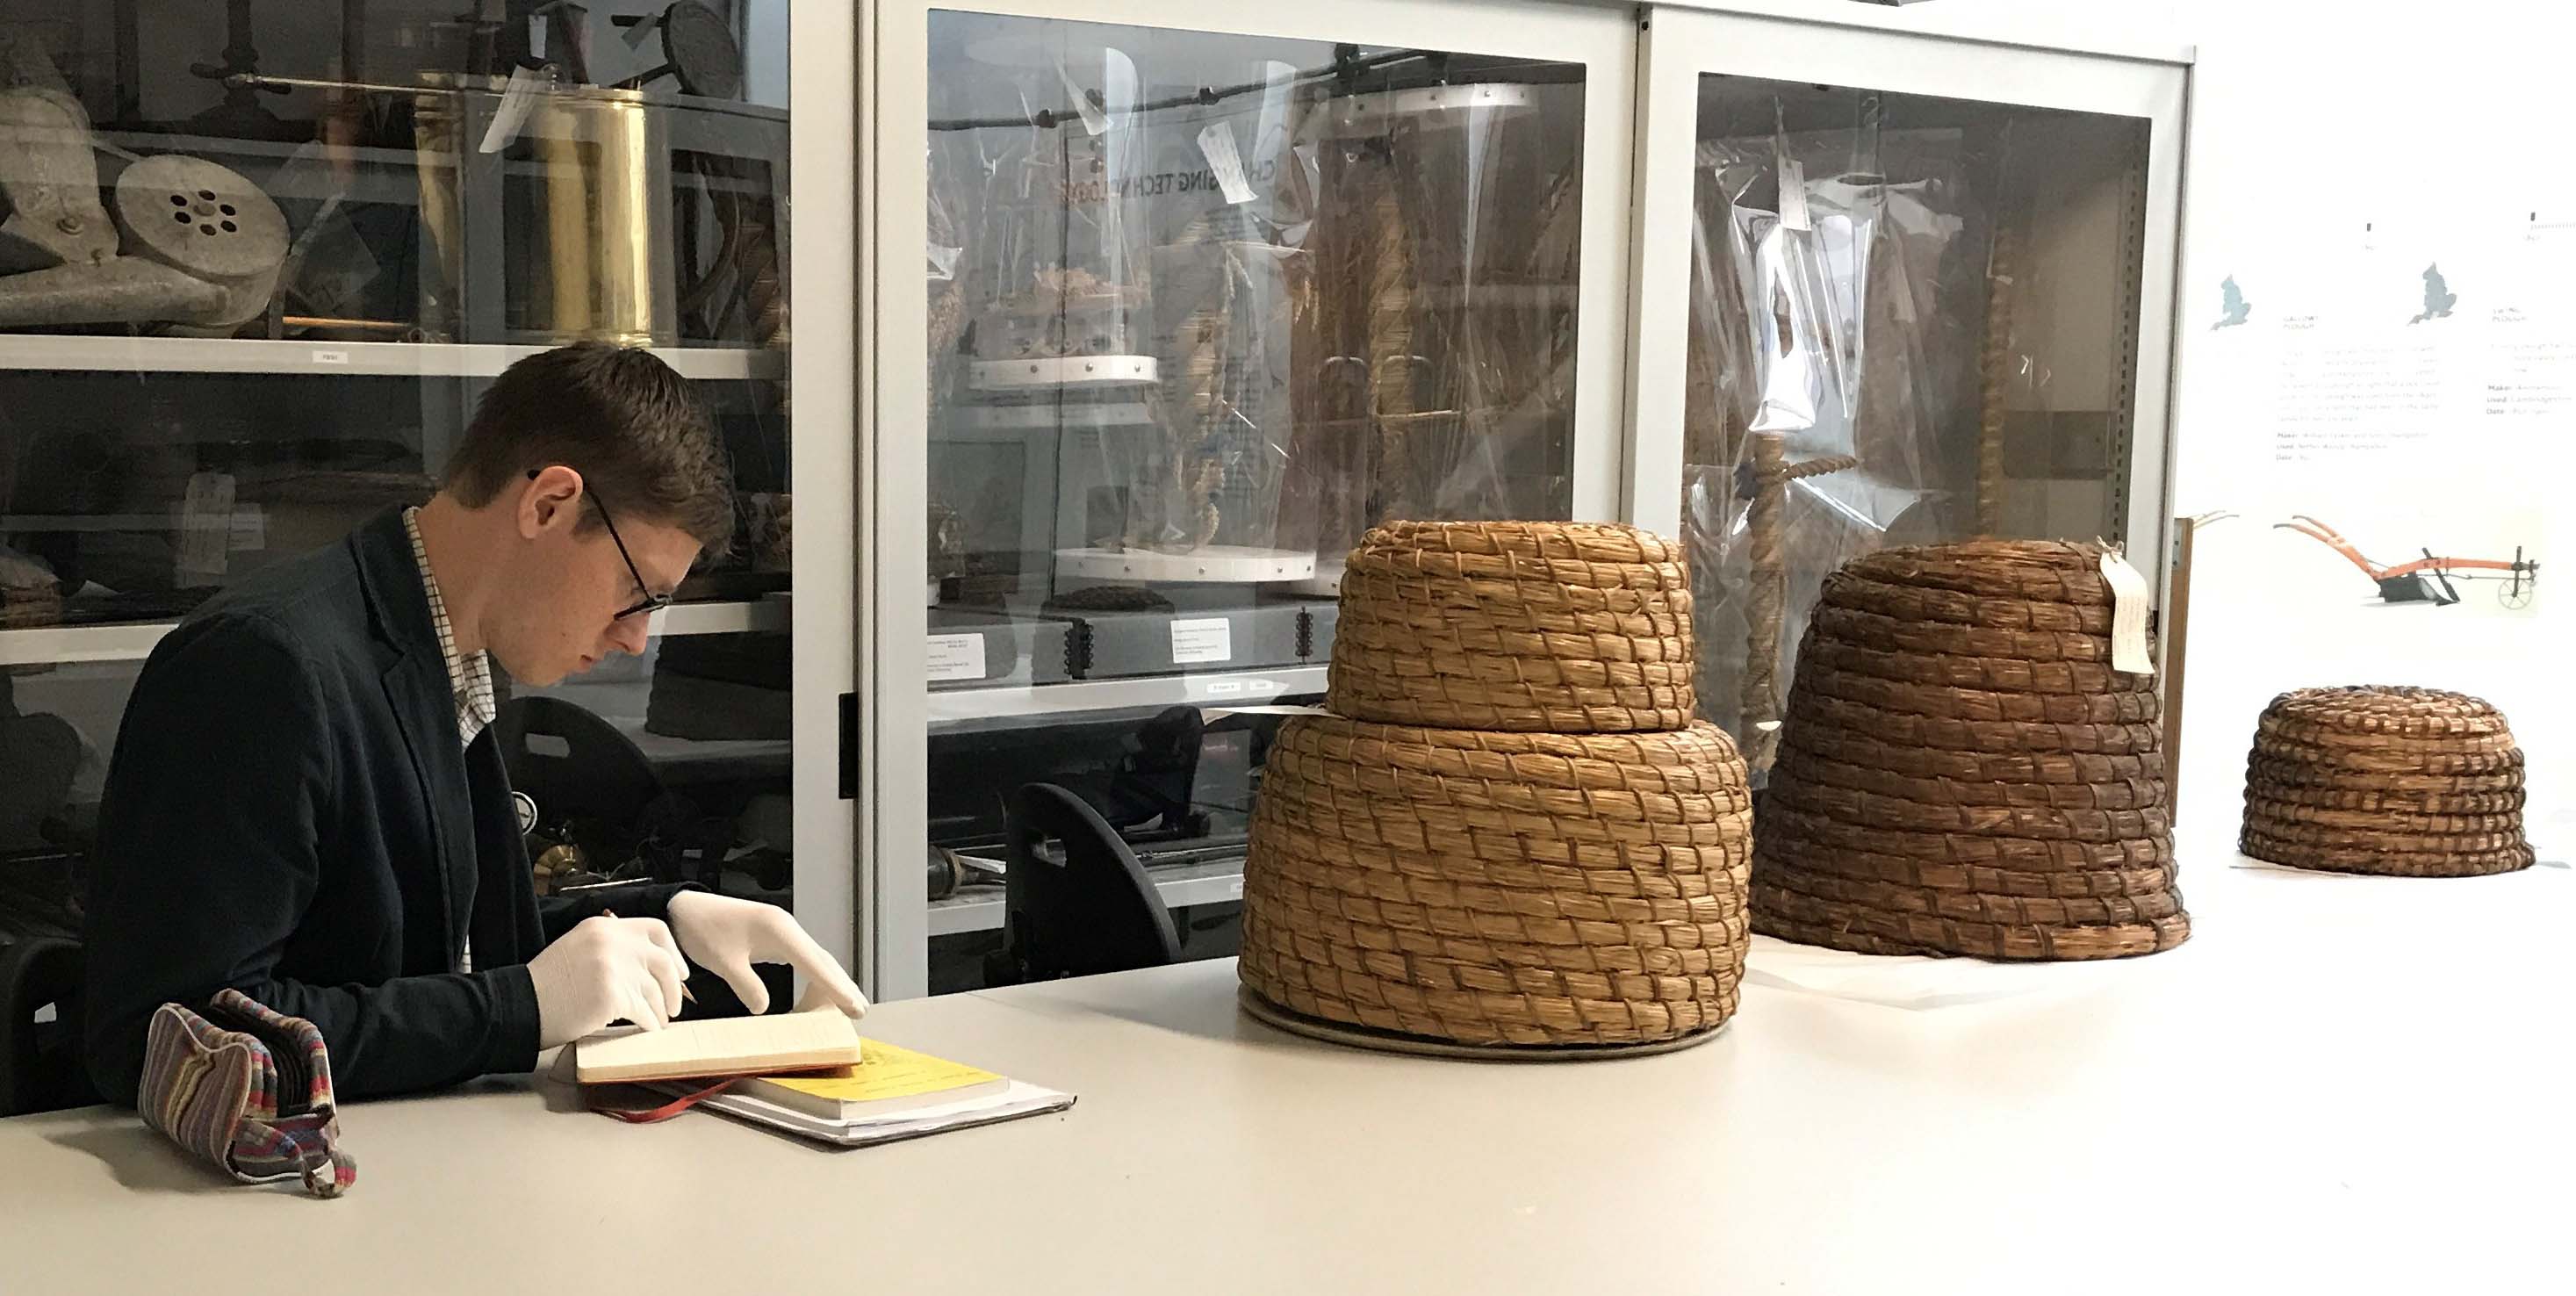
[(624, 420)]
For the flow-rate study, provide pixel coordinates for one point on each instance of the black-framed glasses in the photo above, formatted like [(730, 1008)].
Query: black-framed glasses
[(651, 602)]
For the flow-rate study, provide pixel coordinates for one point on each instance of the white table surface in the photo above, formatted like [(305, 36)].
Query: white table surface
[(2339, 1084)]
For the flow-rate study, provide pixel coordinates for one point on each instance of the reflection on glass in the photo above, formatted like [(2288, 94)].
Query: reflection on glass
[(671, 766), (134, 497), (1912, 320), (1203, 308), (57, 725)]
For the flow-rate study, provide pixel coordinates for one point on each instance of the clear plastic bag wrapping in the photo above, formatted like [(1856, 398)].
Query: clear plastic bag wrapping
[(1376, 322), (1446, 246), (1873, 353)]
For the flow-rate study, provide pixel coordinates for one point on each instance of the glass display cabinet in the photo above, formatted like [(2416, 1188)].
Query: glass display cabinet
[(1201, 305), (1202, 299), (1896, 289), (257, 262)]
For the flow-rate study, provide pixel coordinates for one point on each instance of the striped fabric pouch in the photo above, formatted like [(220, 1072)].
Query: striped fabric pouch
[(248, 1089)]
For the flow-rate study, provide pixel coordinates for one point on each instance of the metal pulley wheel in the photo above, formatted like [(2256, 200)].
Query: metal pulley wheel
[(206, 221)]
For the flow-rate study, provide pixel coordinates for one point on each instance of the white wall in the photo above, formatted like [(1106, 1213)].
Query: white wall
[(2441, 127)]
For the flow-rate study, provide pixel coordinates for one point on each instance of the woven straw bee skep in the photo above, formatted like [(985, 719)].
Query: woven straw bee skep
[(1492, 888), (1510, 838), (2407, 782), (1961, 771), (1531, 627)]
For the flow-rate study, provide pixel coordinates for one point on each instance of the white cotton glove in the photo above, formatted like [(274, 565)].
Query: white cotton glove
[(606, 969), (728, 936)]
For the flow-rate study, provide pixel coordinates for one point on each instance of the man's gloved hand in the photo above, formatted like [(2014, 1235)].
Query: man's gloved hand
[(729, 935), (606, 969)]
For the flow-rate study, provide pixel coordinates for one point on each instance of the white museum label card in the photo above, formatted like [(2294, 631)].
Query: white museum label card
[(1202, 639), (955, 657)]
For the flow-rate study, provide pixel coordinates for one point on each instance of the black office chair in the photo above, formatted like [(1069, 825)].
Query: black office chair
[(40, 1062), (1085, 909)]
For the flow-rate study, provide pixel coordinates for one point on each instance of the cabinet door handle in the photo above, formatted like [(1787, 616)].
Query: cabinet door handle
[(849, 746)]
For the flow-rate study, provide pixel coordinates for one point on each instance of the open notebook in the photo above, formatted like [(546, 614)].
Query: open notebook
[(720, 1046)]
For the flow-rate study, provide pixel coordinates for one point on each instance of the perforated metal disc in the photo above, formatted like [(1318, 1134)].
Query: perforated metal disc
[(202, 218)]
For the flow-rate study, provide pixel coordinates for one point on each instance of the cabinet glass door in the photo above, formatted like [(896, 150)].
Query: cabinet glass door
[(1201, 309), (1908, 318), (256, 268)]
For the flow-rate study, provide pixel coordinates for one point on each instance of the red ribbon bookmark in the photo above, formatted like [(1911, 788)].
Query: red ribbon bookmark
[(651, 1115)]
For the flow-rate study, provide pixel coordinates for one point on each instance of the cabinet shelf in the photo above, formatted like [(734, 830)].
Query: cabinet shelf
[(951, 711), (1018, 706), (980, 908), (64, 353), (39, 645)]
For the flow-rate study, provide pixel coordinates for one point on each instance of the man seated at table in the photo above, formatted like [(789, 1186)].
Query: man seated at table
[(307, 802)]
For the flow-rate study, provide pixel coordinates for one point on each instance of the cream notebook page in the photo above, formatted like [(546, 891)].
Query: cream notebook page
[(720, 1046)]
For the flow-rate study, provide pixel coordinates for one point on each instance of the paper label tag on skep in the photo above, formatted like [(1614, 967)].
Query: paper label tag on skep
[(2129, 651)]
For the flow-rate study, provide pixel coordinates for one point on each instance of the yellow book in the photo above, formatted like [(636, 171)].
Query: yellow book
[(885, 1081)]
